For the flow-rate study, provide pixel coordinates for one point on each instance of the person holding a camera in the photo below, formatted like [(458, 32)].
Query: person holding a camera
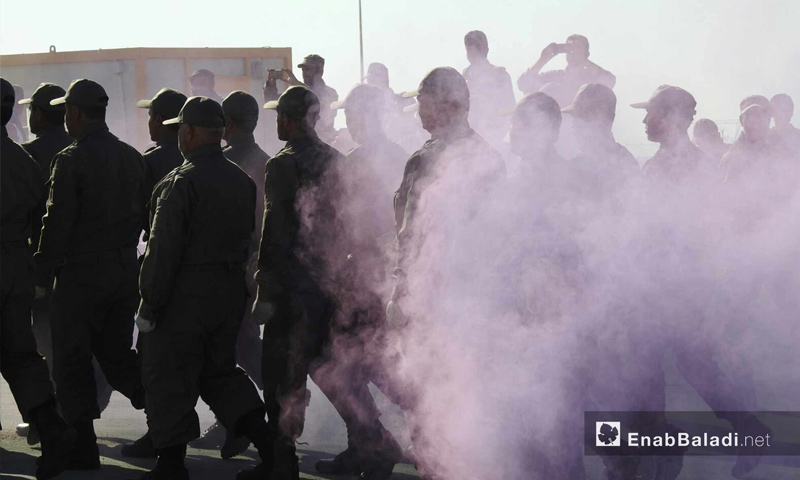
[(580, 70)]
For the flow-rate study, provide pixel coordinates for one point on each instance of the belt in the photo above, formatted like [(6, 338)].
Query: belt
[(127, 253)]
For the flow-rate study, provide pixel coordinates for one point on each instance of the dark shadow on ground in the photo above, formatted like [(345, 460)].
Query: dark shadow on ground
[(310, 457)]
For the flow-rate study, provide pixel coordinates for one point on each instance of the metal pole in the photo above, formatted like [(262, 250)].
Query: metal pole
[(361, 42)]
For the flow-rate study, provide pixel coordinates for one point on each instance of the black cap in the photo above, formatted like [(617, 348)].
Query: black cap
[(199, 112), (7, 93), (297, 102), (593, 99), (43, 95), (537, 103), (668, 97), (167, 103), (83, 93), (445, 84), (362, 97), (240, 106), (201, 73), (312, 60), (754, 100)]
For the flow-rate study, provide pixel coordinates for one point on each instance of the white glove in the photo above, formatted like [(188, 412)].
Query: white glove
[(144, 325), (263, 312)]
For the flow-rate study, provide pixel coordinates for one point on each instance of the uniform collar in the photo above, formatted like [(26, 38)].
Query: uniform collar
[(171, 141), (309, 137), (207, 150), (462, 130), (92, 127), (242, 140), (52, 130), (4, 132)]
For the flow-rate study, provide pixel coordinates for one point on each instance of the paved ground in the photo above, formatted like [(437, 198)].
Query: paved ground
[(324, 432)]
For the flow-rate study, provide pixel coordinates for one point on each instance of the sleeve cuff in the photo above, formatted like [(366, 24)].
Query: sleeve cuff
[(269, 288), (145, 311)]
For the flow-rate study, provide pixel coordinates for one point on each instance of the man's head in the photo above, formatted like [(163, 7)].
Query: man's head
[(755, 122), (443, 98), (754, 100), (201, 121), (782, 108), (378, 75), (578, 50), (364, 109), (477, 46), (42, 114), (241, 114), (670, 111), (593, 109), (86, 102), (202, 81), (7, 97), (313, 67), (706, 134), (535, 124), (298, 111), (165, 105)]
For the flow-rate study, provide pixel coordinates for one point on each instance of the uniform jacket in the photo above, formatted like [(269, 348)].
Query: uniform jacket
[(202, 214), (44, 147), (245, 153), (22, 192), (96, 201), (301, 226)]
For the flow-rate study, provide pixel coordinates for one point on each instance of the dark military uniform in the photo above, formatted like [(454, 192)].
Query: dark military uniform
[(193, 286), (92, 226), (597, 175), (435, 161), (46, 145), (159, 160), (43, 149), (369, 174), (296, 268), (490, 93), (678, 163), (22, 195), (245, 153)]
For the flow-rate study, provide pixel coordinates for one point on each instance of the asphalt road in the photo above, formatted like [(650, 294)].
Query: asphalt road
[(325, 434)]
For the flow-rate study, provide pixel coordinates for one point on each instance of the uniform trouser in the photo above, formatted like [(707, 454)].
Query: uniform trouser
[(248, 346), (191, 354), (94, 303), (44, 344), (292, 350), (21, 365), (353, 357)]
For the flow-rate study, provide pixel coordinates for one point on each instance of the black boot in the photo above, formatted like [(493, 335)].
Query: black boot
[(233, 446), (141, 448), (285, 463), (212, 438), (382, 455), (57, 440), (170, 464), (253, 427), (85, 455), (343, 464)]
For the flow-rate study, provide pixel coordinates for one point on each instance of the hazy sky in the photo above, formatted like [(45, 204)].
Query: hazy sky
[(720, 50)]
